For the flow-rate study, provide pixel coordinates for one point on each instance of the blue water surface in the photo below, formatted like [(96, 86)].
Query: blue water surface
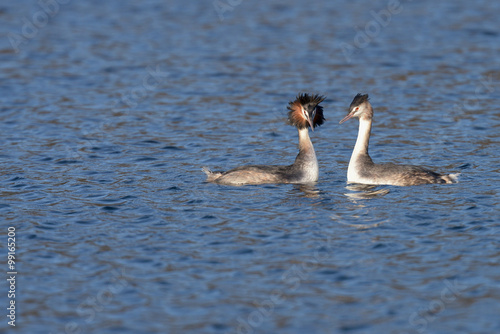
[(109, 109)]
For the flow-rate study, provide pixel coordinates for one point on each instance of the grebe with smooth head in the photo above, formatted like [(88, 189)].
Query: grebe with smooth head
[(363, 170), (303, 112)]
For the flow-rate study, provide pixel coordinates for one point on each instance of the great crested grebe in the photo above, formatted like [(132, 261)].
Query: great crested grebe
[(363, 170), (304, 112)]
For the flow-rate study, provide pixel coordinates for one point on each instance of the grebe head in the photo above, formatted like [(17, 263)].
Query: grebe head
[(360, 107), (305, 111)]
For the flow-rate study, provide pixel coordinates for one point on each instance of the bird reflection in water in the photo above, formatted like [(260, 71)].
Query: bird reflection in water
[(361, 213), (365, 191), (309, 190)]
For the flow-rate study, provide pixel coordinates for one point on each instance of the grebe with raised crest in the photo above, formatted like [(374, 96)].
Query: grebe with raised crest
[(303, 112), (363, 170)]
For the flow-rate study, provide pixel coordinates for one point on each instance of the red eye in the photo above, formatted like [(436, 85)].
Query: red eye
[(356, 109)]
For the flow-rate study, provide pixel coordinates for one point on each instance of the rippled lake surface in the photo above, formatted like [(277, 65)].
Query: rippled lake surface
[(109, 109)]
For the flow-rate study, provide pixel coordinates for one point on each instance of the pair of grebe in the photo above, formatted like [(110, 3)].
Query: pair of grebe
[(304, 112)]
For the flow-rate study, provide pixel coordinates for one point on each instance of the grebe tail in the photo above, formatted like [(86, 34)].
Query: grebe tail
[(211, 176)]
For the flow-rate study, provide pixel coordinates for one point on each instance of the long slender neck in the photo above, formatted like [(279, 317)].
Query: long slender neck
[(361, 147), (305, 145), (360, 159), (306, 164)]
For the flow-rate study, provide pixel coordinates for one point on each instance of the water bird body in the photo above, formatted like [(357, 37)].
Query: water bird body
[(363, 170), (304, 112)]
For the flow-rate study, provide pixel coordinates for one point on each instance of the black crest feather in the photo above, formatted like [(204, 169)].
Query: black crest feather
[(308, 102), (358, 99), (305, 98)]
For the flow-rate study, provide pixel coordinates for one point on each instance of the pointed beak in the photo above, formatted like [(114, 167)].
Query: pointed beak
[(310, 123), (349, 116), (310, 119)]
